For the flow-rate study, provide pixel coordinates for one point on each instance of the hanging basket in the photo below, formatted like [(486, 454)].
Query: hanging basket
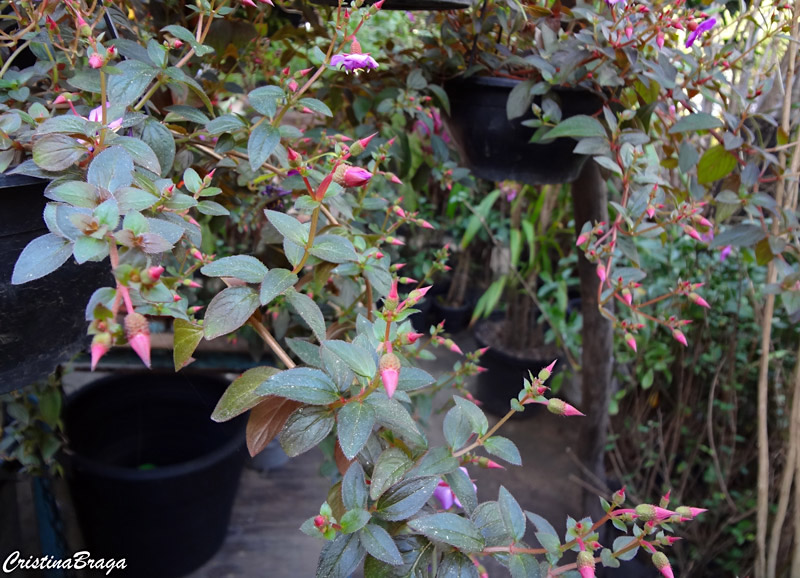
[(42, 322), (498, 149), (430, 5)]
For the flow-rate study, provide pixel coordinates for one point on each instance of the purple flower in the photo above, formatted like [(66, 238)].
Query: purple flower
[(445, 494), (353, 62), (704, 26), (612, 2), (96, 115), (726, 250)]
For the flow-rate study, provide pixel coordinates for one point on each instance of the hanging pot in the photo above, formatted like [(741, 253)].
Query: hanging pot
[(498, 149), (42, 322), (153, 479), (431, 5), (506, 370)]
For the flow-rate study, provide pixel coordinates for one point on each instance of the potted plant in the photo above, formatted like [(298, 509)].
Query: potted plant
[(513, 323), (507, 71), (137, 189)]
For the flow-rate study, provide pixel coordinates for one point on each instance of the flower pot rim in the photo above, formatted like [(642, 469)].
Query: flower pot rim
[(99, 468)]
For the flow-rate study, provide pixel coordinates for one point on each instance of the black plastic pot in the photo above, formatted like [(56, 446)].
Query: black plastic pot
[(498, 149), (42, 323), (505, 373), (153, 479)]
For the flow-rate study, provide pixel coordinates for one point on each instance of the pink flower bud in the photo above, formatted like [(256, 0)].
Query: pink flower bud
[(630, 341), (96, 61), (627, 296), (197, 255), (585, 564), (581, 240), (651, 212), (379, 4), (451, 345), (101, 343), (137, 330), (155, 273), (396, 267), (393, 291), (293, 86), (692, 232), (660, 39), (661, 562), (561, 407), (394, 241), (389, 368), (649, 512), (399, 212), (695, 298), (680, 337), (356, 176), (628, 30), (412, 337), (60, 99), (689, 512), (601, 273), (425, 224)]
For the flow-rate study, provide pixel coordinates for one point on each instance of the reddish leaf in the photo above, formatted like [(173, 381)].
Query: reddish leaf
[(342, 463), (266, 421)]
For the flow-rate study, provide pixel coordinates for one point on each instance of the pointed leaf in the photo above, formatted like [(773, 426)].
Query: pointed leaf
[(355, 422), (275, 282), (305, 429), (578, 126), (229, 310), (41, 256), (241, 395), (513, 518), (389, 469), (309, 311), (503, 448), (302, 384), (380, 545), (266, 421), (450, 529), (186, 337), (405, 499), (341, 557), (244, 267), (354, 487), (263, 141)]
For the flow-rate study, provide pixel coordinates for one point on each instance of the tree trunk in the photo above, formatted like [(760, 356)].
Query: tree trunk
[(590, 201)]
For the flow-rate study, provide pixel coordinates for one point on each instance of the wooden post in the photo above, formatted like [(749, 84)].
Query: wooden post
[(590, 200)]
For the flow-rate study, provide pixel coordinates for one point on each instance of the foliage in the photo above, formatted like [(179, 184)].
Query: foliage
[(211, 128)]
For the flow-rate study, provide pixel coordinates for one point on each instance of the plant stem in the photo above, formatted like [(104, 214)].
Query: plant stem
[(479, 442), (276, 348), (312, 231)]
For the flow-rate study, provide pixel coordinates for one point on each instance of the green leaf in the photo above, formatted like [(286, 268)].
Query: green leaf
[(354, 487), (380, 545), (57, 152), (524, 566), (391, 414), (157, 53), (463, 488), (307, 352), (316, 106), (303, 384), (457, 427), (519, 99), (607, 559), (359, 360), (229, 310), (244, 267), (477, 419), (695, 122), (355, 422), (308, 311), (111, 169), (189, 113), (275, 282), (436, 462), (542, 525), (715, 164), (743, 235), (187, 337), (503, 448), (450, 529), (89, 249), (227, 123), (489, 522), (513, 517), (263, 141), (265, 99), (183, 34), (389, 469), (341, 557), (125, 88), (413, 378), (405, 499), (550, 543), (212, 208), (620, 543), (457, 565), (160, 139), (354, 520), (579, 126), (482, 211), (65, 123), (241, 395), (41, 256), (288, 226), (75, 193), (687, 157), (140, 151), (305, 429), (334, 249)]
